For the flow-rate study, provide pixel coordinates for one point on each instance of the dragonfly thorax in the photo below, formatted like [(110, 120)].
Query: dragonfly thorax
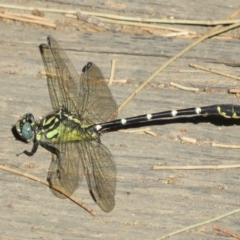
[(62, 126)]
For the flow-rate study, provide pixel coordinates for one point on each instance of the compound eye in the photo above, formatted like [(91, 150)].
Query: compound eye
[(29, 117), (27, 131)]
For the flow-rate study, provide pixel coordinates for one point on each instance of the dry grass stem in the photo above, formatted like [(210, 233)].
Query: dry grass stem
[(34, 178)]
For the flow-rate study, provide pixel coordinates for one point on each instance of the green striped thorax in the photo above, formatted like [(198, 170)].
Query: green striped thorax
[(53, 128)]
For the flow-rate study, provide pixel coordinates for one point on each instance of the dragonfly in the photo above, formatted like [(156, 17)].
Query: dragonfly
[(83, 108)]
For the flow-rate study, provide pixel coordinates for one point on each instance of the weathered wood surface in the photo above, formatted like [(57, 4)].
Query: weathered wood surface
[(147, 206)]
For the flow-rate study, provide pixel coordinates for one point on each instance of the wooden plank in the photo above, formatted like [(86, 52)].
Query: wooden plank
[(148, 203)]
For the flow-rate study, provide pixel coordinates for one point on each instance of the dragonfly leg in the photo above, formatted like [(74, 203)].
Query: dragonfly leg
[(33, 151), (56, 152)]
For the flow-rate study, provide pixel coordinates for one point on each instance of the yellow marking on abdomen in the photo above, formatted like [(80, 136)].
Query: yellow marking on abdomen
[(223, 113), (233, 113)]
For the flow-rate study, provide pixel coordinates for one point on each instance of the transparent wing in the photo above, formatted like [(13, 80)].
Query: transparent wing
[(62, 78), (87, 95), (97, 165), (70, 170), (97, 103), (100, 172), (53, 85)]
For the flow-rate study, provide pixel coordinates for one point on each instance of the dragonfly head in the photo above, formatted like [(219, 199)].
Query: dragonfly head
[(24, 129)]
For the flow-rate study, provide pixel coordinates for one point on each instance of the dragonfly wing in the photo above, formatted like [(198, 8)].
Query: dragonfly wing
[(100, 171), (98, 104), (62, 77), (87, 95), (70, 171), (54, 88)]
